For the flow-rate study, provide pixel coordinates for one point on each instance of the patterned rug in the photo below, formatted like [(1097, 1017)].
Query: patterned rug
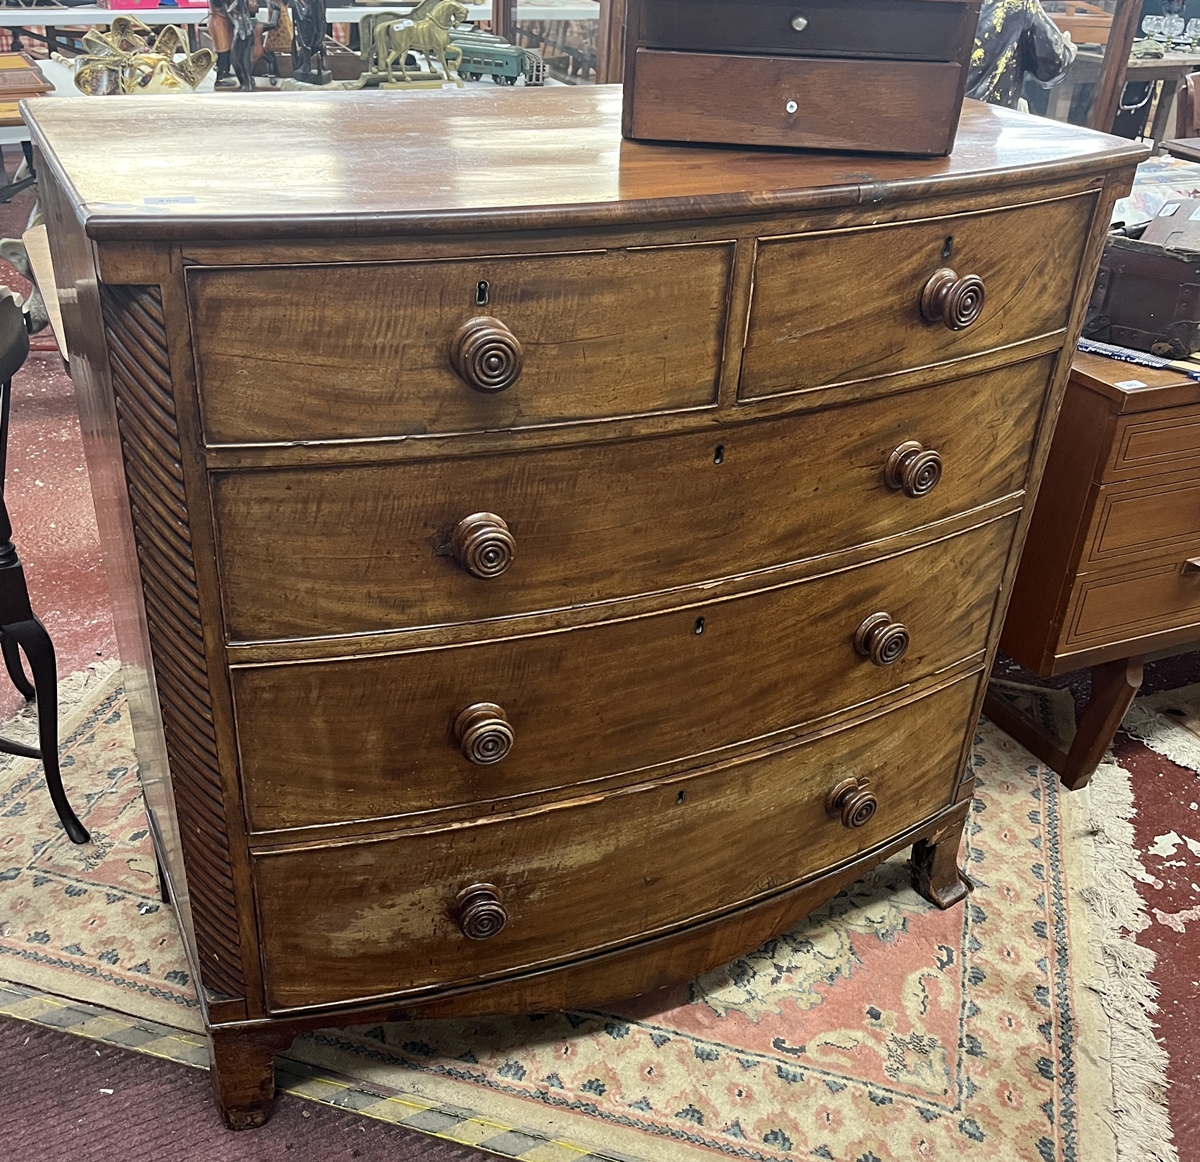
[(878, 1030)]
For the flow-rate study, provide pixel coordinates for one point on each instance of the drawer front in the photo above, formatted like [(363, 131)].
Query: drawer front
[(1156, 442), (319, 551), (896, 107), (1138, 520), (375, 737), (368, 350), (844, 306), (893, 29), (369, 919), (1132, 602)]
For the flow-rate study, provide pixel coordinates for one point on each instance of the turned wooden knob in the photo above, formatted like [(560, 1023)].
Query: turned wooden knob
[(486, 354), (913, 469), (853, 802), (881, 639), (957, 302), (482, 544), (484, 732), (479, 912)]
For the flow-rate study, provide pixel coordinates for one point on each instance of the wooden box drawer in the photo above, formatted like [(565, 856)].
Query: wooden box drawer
[(1151, 443), (1132, 602), (370, 919), (1141, 519), (893, 29), (813, 103), (362, 351), (321, 551), (843, 306), (374, 736)]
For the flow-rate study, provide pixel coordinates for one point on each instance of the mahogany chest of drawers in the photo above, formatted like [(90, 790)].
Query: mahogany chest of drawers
[(881, 76), (547, 565), (1111, 571)]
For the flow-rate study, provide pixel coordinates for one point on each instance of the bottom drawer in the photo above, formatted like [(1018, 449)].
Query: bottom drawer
[(1132, 602), (373, 918), (880, 106)]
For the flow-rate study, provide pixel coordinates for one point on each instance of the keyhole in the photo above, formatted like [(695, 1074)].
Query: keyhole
[(699, 625), (719, 454), (680, 797), (481, 293), (948, 247)]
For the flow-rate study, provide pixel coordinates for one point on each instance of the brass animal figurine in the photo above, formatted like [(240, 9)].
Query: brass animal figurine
[(130, 58), (430, 37)]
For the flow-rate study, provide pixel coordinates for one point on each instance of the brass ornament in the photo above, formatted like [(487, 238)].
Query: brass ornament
[(131, 58)]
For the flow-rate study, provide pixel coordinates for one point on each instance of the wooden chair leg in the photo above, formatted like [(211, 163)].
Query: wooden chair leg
[(32, 637), (1114, 686), (934, 862), (243, 1073)]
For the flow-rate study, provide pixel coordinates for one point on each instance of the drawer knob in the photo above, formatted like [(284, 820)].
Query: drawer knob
[(913, 469), (853, 802), (487, 354), (881, 639), (479, 912), (484, 733), (482, 544), (957, 302)]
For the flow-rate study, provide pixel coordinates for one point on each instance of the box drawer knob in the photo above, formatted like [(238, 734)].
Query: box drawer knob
[(479, 912), (881, 639), (482, 544), (799, 23), (913, 469), (484, 732), (957, 302), (853, 802), (486, 354)]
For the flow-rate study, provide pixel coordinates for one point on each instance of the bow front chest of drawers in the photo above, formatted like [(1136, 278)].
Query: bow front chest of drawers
[(547, 565)]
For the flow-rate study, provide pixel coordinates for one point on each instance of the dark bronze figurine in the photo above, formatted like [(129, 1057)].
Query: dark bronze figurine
[(308, 42)]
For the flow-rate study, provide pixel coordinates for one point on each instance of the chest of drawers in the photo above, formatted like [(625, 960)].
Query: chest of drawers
[(547, 565), (1111, 571)]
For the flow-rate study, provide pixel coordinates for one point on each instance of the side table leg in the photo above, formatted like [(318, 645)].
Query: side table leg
[(1114, 685), (934, 862), (243, 1073)]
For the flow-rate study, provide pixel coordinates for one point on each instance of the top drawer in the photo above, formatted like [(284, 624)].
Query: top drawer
[(846, 305), (892, 29), (369, 350)]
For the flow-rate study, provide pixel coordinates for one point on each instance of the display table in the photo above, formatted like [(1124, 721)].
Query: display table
[(546, 566), (1111, 572)]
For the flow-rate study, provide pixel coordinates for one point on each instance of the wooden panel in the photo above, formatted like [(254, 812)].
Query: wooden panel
[(337, 352), (1133, 602), (323, 551), (814, 103), (1140, 518), (375, 918), (372, 737), (895, 29), (1158, 442), (839, 307), (145, 408)]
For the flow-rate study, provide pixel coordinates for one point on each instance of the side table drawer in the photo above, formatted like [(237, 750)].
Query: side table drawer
[(368, 919), (381, 736), (1143, 519), (1131, 602), (1150, 443), (846, 305), (370, 350), (323, 551)]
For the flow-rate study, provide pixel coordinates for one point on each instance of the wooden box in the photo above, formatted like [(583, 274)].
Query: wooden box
[(880, 76)]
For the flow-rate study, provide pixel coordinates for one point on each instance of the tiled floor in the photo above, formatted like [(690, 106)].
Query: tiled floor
[(50, 503)]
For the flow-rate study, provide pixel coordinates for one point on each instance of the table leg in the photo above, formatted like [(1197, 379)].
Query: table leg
[(1166, 102)]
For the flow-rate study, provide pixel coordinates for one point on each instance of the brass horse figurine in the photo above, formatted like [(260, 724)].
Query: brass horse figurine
[(394, 39)]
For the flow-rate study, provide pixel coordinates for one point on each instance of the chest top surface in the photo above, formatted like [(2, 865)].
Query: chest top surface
[(361, 164)]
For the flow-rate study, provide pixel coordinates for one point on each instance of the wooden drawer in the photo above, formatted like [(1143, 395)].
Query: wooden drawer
[(321, 551), (365, 350), (1141, 519), (373, 918), (791, 101), (894, 29), (1132, 602), (374, 737), (845, 305), (1152, 443)]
